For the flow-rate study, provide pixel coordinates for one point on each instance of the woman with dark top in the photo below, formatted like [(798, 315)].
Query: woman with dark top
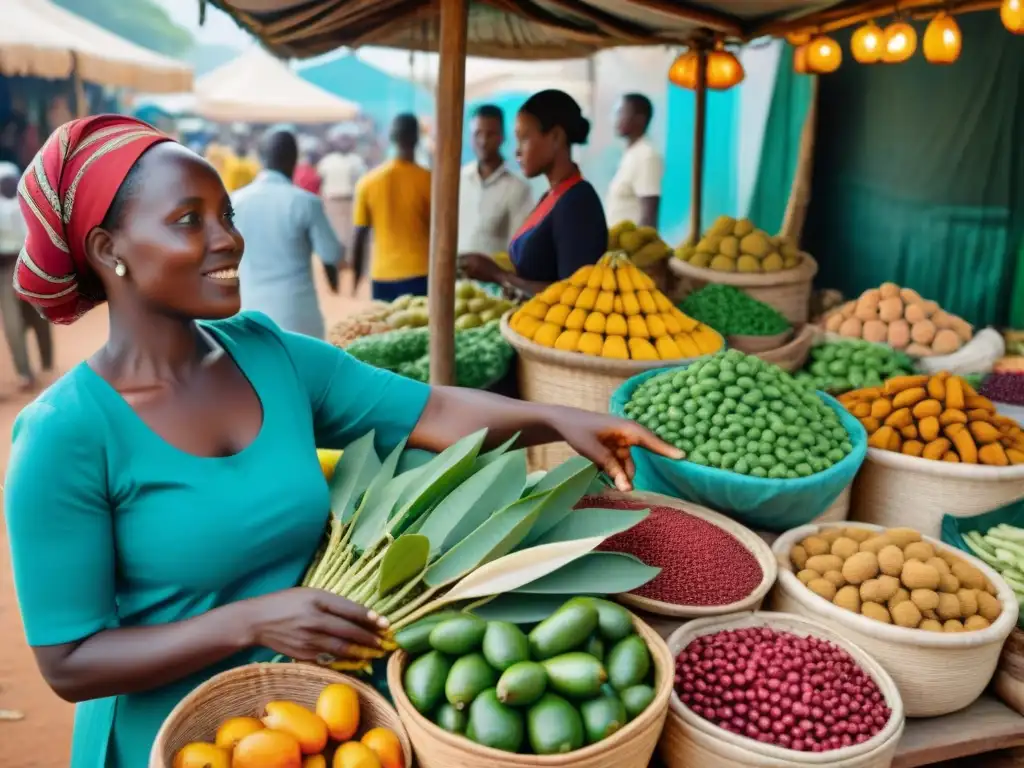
[(164, 497), (567, 229)]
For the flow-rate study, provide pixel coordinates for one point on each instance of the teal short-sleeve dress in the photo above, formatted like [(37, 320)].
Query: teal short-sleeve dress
[(111, 526)]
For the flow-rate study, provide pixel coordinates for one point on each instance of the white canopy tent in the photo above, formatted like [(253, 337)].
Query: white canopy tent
[(258, 88), (40, 39)]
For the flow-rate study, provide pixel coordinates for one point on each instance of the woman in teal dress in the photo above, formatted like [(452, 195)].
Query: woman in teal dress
[(164, 497)]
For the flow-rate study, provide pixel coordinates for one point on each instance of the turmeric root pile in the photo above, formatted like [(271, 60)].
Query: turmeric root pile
[(938, 417)]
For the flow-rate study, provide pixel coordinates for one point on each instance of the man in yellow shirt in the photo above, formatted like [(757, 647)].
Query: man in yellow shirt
[(239, 168), (393, 201)]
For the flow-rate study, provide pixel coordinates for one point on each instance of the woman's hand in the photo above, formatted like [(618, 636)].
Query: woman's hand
[(606, 441), (476, 266), (313, 625)]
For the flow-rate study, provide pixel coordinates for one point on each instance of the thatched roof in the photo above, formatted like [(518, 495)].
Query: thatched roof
[(509, 29)]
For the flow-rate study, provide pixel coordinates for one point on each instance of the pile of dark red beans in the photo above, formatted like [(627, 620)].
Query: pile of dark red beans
[(1004, 388), (800, 693)]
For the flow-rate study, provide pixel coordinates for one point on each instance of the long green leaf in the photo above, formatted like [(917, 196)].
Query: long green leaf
[(494, 454), (520, 609), (596, 573), (599, 485), (531, 482), (496, 537), (565, 485), (463, 510), (584, 523), (352, 476), (376, 504), (437, 479), (414, 458), (405, 558)]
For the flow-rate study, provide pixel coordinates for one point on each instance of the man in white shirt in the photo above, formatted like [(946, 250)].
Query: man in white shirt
[(339, 171), (493, 201), (635, 192)]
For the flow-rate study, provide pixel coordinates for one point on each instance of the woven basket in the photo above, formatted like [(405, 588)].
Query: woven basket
[(245, 691), (689, 740), (936, 673), (792, 356), (789, 291), (555, 377), (754, 543), (752, 345), (1009, 679), (630, 747), (892, 489)]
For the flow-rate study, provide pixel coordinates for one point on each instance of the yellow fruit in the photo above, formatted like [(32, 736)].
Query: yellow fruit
[(702, 260), (637, 327), (235, 729), (590, 344), (605, 302), (596, 278), (687, 346), (355, 754), (642, 349), (315, 761), (723, 264), (553, 293), (386, 746), (615, 348), (656, 326), (547, 334), (624, 280), (723, 226), (729, 246), (201, 755), (557, 314), (661, 301), (594, 323), (646, 301), (671, 324), (616, 325), (576, 319), (304, 726), (743, 227), (535, 308), (609, 281), (667, 348), (328, 461), (567, 341), (569, 296), (773, 263), (587, 299), (688, 323), (630, 305), (641, 279), (581, 276), (617, 305), (756, 244), (707, 340), (267, 749), (747, 263), (528, 326)]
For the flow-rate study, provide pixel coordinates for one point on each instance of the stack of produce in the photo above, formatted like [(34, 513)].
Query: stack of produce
[(799, 693), (289, 736), (837, 367), (643, 245), (372, 320), (1002, 547), (578, 677), (701, 564), (1004, 387), (736, 245), (900, 318), (938, 417), (896, 578), (613, 310), (482, 356), (731, 312), (473, 307), (407, 538), (741, 414)]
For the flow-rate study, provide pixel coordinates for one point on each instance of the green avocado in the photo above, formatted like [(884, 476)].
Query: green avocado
[(522, 684), (636, 699), (505, 645), (493, 724), (613, 621), (459, 635), (450, 719), (565, 629), (578, 675), (595, 647), (602, 717), (468, 677), (554, 726), (424, 680), (415, 638), (628, 663)]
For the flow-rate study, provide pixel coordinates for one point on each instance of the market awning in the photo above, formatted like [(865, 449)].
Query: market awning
[(258, 88), (40, 39)]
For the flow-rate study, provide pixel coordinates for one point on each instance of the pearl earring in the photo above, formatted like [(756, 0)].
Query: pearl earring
[(120, 269)]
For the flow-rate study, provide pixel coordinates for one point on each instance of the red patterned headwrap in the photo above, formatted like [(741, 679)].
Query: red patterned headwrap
[(65, 193)]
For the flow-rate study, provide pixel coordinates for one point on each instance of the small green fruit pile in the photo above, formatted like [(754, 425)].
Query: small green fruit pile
[(731, 312), (473, 307), (838, 367), (578, 677)]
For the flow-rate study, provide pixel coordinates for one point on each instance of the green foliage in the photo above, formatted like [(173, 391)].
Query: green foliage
[(143, 22)]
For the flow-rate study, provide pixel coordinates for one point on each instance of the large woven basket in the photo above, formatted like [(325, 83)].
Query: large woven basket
[(555, 377), (750, 540), (792, 355), (892, 489), (689, 740), (789, 291), (245, 691), (1008, 682), (936, 673), (630, 747)]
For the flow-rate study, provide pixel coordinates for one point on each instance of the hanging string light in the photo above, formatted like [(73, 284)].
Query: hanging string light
[(900, 42), (683, 71), (1012, 14), (800, 59), (798, 37), (866, 44), (943, 40), (823, 55), (723, 69)]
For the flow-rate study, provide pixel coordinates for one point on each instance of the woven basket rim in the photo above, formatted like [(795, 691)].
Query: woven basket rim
[(753, 543), (663, 661), (996, 633), (257, 670), (691, 630), (802, 341), (945, 469), (620, 368), (801, 273), (782, 338)]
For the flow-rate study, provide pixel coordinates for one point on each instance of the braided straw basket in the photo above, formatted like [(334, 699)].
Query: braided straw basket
[(555, 377), (689, 740), (754, 345), (789, 291), (1008, 682), (245, 691), (892, 489), (750, 540), (792, 355), (630, 747), (936, 673)]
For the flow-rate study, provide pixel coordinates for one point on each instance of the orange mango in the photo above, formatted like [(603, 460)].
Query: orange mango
[(202, 755), (267, 749), (386, 746), (315, 761), (294, 719), (234, 730), (353, 754), (338, 707)]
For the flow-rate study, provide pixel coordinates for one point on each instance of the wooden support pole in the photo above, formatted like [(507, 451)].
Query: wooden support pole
[(81, 102), (700, 112), (800, 190), (444, 216)]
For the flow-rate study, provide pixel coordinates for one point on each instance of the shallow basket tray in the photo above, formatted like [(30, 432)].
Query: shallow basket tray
[(750, 540), (245, 691), (630, 747), (555, 377), (936, 673), (792, 355), (689, 740), (788, 290), (752, 345), (893, 489)]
